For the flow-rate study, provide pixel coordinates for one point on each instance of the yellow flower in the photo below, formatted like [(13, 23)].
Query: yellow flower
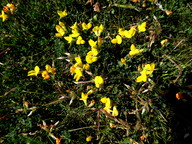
[(78, 61), (86, 66), (75, 33), (92, 43), (35, 72), (62, 13), (98, 30), (61, 29), (69, 38), (121, 32), (49, 69), (98, 81), (78, 74), (89, 138), (84, 97), (134, 51), (115, 111), (130, 33), (45, 75), (123, 61), (107, 103), (86, 26), (149, 68), (142, 27), (74, 26), (80, 40), (3, 16), (117, 40), (58, 140), (100, 41), (91, 57), (142, 78), (163, 42)]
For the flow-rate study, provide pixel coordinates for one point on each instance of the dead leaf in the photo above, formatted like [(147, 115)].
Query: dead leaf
[(97, 7)]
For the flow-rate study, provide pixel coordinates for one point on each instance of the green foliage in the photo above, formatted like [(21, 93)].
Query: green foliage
[(34, 110)]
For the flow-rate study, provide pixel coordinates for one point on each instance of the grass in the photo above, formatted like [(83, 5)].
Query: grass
[(34, 110)]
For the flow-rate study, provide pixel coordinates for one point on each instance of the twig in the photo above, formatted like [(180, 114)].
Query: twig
[(180, 71)]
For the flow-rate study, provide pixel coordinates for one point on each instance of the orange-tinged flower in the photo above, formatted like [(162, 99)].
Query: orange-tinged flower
[(142, 27), (3, 16), (163, 42), (58, 140), (89, 138), (11, 7), (179, 96), (168, 12), (45, 75), (123, 61)]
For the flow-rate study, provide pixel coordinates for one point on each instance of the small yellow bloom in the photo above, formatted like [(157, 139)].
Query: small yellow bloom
[(84, 98), (107, 103), (86, 26), (80, 40), (134, 51), (115, 111), (98, 30), (78, 61), (61, 29), (149, 68), (3, 16), (78, 74), (98, 81), (92, 43), (86, 66), (89, 138), (100, 41), (121, 32), (45, 75), (74, 26), (123, 61), (62, 13), (9, 7), (49, 69), (142, 27), (90, 58), (69, 39), (130, 33), (117, 40), (163, 42), (35, 72), (142, 78), (75, 33)]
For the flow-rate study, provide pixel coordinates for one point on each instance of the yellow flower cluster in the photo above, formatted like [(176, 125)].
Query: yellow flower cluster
[(147, 70), (44, 73), (9, 9), (128, 33)]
